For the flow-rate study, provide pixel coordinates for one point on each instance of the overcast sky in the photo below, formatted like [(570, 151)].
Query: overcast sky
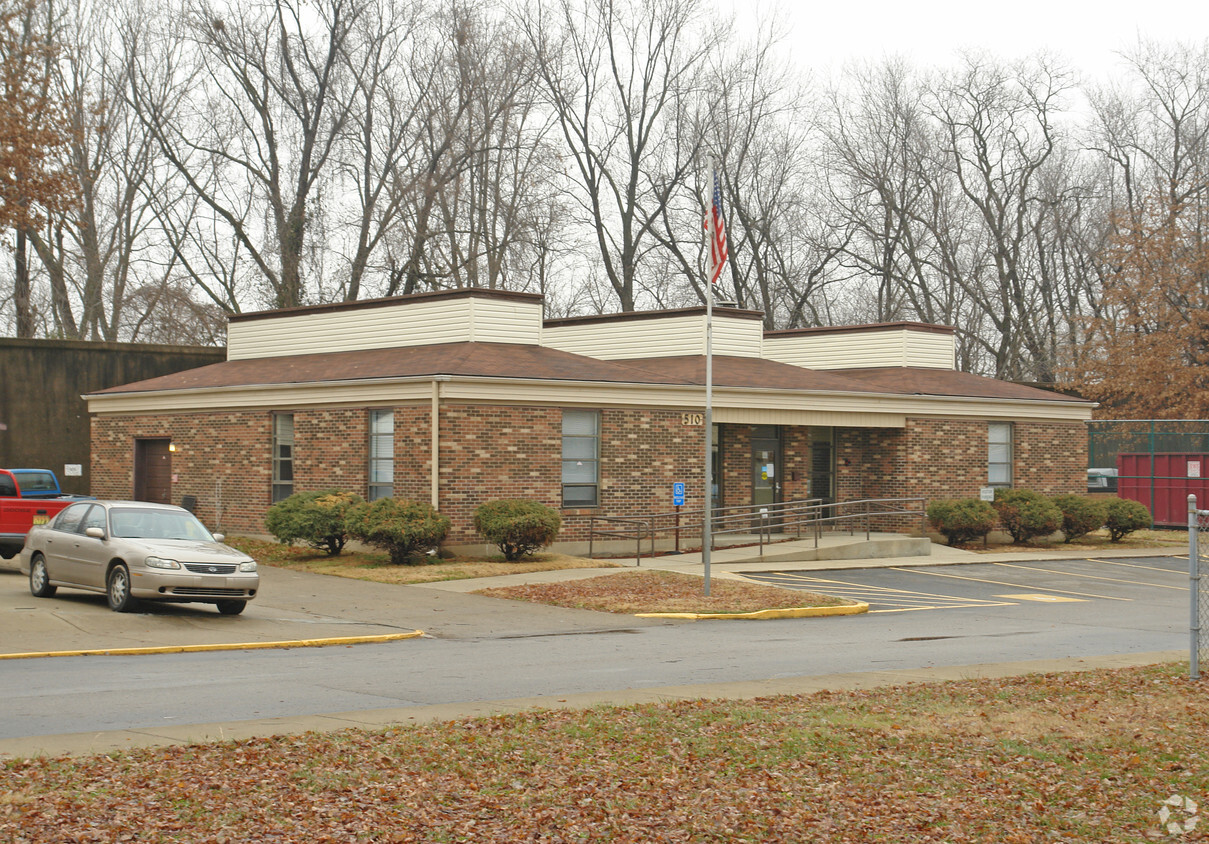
[(1087, 35)]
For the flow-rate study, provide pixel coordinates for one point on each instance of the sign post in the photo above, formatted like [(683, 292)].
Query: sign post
[(678, 502)]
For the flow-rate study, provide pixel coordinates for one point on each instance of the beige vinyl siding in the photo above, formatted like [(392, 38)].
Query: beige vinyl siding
[(929, 350), (360, 394), (863, 349), (656, 337), (729, 402), (769, 416), (741, 338), (404, 324), (638, 338)]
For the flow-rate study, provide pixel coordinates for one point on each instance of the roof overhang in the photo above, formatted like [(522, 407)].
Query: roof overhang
[(730, 404)]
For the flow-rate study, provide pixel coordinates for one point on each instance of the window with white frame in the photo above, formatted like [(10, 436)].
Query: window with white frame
[(581, 458), (283, 456), (999, 454), (381, 454)]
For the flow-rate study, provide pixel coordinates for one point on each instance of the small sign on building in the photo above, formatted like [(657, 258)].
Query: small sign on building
[(73, 470), (1194, 468), (987, 493)]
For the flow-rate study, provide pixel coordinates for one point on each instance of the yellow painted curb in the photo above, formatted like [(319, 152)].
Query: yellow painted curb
[(796, 612), (244, 646)]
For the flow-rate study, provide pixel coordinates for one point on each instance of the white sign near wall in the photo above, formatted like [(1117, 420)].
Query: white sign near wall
[(73, 470), (1194, 468), (987, 493)]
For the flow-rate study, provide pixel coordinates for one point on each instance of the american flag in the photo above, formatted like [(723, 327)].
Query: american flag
[(715, 225)]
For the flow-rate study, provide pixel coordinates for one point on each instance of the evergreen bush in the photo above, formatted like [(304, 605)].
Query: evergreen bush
[(316, 518), (1123, 517), (399, 526), (517, 527), (961, 520), (1080, 515), (1026, 514)]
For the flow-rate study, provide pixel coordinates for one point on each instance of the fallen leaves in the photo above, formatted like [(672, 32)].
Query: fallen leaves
[(1011, 764), (662, 591)]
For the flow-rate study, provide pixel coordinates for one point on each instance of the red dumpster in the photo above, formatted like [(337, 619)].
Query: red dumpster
[(1163, 483)]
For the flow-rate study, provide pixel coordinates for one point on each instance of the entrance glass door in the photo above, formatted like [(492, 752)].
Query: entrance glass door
[(765, 465)]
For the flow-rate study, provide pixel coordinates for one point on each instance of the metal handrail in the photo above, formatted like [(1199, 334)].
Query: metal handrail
[(803, 515), (641, 527)]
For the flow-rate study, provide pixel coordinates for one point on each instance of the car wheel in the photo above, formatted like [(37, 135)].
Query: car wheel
[(39, 578), (231, 607), (117, 589)]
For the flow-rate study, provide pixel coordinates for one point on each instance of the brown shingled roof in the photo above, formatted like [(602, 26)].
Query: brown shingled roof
[(944, 382), (504, 360), (489, 360), (746, 372)]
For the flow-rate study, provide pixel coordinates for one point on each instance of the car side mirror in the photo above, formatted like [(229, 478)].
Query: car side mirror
[(220, 537), (95, 532)]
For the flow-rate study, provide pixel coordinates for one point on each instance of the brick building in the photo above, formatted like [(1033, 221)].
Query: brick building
[(463, 396)]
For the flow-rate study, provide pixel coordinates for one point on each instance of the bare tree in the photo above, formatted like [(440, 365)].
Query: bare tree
[(623, 78), (1153, 127), (252, 120)]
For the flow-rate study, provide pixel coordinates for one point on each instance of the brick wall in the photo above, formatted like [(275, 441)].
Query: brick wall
[(224, 459), (947, 458), (735, 444), (1050, 458), (488, 452)]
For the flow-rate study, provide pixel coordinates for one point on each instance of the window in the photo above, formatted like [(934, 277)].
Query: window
[(283, 456), (94, 519), (69, 520), (581, 458), (999, 454), (381, 454)]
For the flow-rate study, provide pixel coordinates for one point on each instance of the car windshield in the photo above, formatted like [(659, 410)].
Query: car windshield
[(137, 523)]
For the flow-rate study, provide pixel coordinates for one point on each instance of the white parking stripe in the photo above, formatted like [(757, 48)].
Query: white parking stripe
[(1008, 583), (1093, 577)]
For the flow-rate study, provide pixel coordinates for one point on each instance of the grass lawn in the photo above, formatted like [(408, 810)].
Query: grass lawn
[(376, 566), (663, 591), (1082, 757)]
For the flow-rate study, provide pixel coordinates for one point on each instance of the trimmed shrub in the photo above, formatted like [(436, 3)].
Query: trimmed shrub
[(399, 526), (517, 527), (1123, 517), (961, 520), (316, 518), (1026, 514), (1080, 515)]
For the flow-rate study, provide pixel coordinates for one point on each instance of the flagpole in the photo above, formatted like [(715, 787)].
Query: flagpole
[(707, 536)]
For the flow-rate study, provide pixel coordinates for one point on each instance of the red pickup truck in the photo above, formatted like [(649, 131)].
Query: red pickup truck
[(28, 497)]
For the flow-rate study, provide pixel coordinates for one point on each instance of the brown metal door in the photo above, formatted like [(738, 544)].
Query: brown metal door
[(152, 471)]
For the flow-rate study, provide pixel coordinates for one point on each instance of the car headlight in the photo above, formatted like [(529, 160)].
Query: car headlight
[(250, 565), (161, 563)]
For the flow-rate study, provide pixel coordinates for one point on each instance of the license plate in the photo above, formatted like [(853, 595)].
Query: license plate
[(41, 520)]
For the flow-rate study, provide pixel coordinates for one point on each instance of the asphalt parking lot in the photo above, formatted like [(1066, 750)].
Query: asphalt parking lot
[(998, 584)]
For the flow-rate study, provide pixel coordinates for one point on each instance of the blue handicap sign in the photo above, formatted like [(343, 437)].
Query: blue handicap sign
[(678, 494)]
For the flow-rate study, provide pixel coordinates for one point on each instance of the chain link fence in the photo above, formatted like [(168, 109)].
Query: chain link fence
[(1107, 438), (1198, 563)]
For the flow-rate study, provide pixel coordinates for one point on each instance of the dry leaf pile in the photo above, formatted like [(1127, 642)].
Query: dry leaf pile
[(662, 591), (1046, 758)]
